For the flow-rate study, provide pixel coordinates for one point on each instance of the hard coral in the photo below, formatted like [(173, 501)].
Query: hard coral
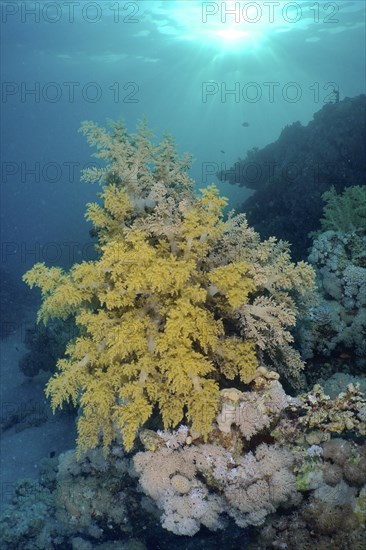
[(171, 307), (338, 322), (332, 473), (338, 450), (354, 470)]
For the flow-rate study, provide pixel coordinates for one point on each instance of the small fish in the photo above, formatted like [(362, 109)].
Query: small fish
[(245, 124), (222, 151)]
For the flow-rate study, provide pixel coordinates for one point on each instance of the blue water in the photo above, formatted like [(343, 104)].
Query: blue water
[(220, 77), (176, 62)]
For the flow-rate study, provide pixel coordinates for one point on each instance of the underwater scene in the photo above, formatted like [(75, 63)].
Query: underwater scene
[(183, 275)]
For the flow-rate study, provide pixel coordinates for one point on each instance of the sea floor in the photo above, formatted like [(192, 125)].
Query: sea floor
[(29, 430)]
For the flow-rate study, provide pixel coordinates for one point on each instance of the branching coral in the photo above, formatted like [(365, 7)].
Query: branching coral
[(187, 483), (161, 313), (337, 324)]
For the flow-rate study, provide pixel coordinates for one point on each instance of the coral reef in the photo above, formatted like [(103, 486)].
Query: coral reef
[(178, 303), (315, 525), (290, 175), (184, 326), (317, 417), (197, 485), (333, 512), (251, 411), (91, 495), (294, 481), (336, 326), (339, 381), (330, 472), (28, 521), (248, 480), (76, 504)]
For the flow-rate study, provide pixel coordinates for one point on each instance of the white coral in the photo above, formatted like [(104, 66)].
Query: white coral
[(252, 412), (251, 419), (194, 485), (335, 495), (197, 485), (176, 438)]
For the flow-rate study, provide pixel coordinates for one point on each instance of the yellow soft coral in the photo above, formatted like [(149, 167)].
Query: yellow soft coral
[(233, 281), (238, 358), (111, 218), (158, 313), (148, 335)]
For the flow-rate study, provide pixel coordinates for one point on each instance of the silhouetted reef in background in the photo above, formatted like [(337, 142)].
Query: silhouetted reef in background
[(290, 175)]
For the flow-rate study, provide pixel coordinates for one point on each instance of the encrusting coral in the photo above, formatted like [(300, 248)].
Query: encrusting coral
[(317, 417), (178, 302)]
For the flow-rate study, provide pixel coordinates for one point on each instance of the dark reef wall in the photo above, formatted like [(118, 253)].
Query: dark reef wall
[(290, 175)]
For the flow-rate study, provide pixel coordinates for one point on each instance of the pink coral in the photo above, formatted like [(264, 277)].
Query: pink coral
[(196, 485)]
